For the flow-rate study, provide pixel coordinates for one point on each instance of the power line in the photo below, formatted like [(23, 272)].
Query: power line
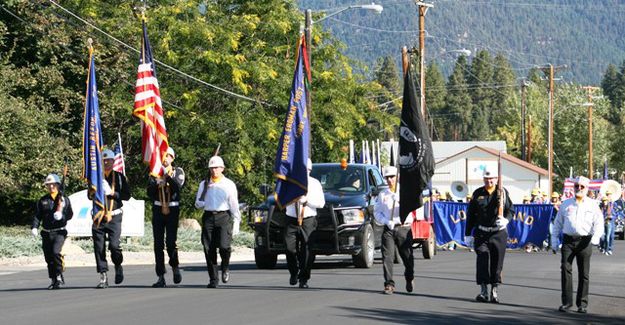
[(227, 92)]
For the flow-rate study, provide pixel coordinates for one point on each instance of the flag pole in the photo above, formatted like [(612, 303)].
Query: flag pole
[(121, 151)]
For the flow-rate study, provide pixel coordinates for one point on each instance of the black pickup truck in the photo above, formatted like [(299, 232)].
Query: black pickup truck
[(345, 223)]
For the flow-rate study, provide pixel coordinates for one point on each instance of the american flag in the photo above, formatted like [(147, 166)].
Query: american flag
[(149, 110), (118, 163)]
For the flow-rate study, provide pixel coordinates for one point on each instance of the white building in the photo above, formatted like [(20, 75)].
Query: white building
[(518, 177)]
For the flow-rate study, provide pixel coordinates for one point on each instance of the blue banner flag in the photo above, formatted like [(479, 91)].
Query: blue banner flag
[(93, 168), (450, 221), (530, 223), (293, 148)]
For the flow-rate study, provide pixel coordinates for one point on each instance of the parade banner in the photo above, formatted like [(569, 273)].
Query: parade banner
[(92, 165), (450, 221), (293, 149), (530, 223)]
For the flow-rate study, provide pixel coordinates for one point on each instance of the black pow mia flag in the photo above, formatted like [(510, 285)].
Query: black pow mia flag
[(416, 159)]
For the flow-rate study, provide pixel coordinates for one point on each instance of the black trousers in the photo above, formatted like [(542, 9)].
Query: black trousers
[(299, 257), (580, 249), (216, 232), (112, 230), (490, 248), (165, 231), (52, 243), (402, 238)]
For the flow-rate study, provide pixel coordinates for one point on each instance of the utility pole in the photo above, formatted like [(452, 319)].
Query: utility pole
[(524, 85), (423, 8), (529, 138), (589, 104), (550, 71)]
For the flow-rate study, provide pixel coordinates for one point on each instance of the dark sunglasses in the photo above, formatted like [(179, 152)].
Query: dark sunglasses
[(579, 186)]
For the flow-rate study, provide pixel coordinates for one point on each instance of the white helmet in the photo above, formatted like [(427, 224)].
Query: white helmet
[(170, 151), (216, 161), (108, 154), (390, 171), (490, 172), (51, 179)]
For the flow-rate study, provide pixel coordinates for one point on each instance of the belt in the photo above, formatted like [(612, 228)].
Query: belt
[(488, 229), (577, 237), (170, 204), (215, 212), (54, 229), (116, 212)]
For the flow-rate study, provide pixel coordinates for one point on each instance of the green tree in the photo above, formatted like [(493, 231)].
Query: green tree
[(459, 104), (435, 93), (480, 79)]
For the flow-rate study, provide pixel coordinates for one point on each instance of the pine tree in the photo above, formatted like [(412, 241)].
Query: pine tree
[(480, 80), (435, 93), (459, 104)]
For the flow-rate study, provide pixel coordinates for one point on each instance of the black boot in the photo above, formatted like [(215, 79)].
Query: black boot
[(160, 283), (53, 285), (177, 275), (119, 274), (104, 281), (483, 296)]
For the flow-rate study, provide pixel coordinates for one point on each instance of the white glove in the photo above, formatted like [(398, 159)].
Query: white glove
[(469, 241), (58, 215), (34, 232), (107, 188), (395, 197), (160, 181), (303, 199), (502, 223), (235, 228)]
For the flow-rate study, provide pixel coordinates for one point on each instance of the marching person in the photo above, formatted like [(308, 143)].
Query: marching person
[(296, 237), (116, 190), (488, 232), (52, 213), (165, 194), (580, 221), (219, 199), (607, 208), (395, 233)]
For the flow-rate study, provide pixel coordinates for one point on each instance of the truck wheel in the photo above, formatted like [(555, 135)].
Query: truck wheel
[(429, 245), (265, 260), (364, 259)]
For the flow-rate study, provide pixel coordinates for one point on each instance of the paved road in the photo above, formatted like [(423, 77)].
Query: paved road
[(339, 293)]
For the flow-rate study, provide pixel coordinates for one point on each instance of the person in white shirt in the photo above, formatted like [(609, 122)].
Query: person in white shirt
[(580, 222), (296, 235), (396, 232), (218, 198)]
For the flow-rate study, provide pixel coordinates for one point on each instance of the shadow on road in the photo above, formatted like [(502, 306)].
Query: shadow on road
[(533, 315)]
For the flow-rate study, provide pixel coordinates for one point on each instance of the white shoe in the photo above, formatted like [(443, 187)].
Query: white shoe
[(608, 253)]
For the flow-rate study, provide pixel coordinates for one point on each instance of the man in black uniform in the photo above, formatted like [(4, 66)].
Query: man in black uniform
[(165, 193), (116, 189), (52, 212), (490, 232)]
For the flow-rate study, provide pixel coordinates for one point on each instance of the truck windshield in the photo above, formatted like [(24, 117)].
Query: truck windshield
[(333, 178)]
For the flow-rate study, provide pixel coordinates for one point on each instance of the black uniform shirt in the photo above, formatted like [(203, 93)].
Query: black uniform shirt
[(44, 213), (121, 190), (175, 182), (483, 209)]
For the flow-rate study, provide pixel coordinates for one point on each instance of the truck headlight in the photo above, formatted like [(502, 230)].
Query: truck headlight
[(353, 216), (259, 216)]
